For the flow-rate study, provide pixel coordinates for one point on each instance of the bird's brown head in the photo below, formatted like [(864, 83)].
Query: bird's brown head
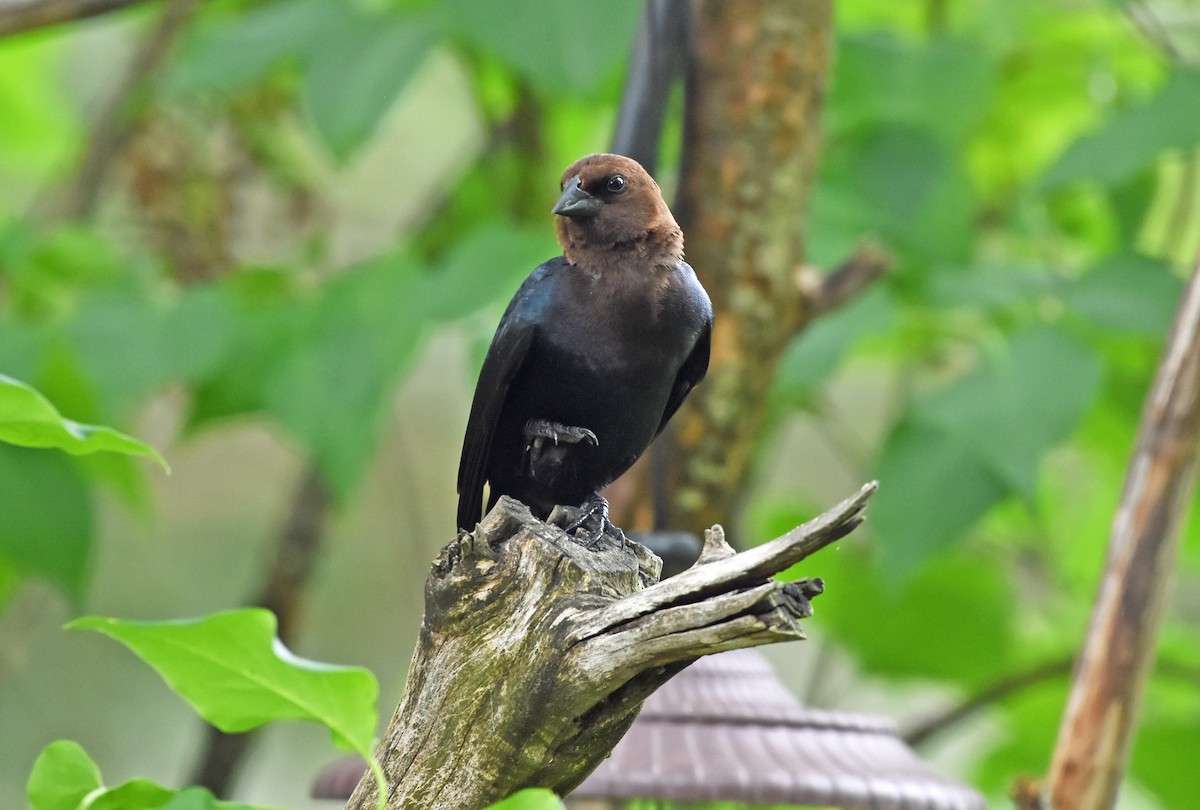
[(611, 212)]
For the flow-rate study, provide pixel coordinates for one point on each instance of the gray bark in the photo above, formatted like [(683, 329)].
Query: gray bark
[(535, 654)]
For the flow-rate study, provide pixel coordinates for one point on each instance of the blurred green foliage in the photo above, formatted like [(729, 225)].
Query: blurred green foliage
[(1034, 167)]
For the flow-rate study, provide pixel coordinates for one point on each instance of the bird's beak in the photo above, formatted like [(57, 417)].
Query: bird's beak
[(575, 202)]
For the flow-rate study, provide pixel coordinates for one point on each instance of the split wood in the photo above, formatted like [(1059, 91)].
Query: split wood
[(535, 654)]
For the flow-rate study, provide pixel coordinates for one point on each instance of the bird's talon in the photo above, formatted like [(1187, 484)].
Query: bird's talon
[(559, 433), (596, 507)]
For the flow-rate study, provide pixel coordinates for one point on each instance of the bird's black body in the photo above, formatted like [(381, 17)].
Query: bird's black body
[(610, 344)]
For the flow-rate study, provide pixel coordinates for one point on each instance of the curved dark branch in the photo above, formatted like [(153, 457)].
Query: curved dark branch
[(654, 65), (23, 15), (988, 695), (1018, 682)]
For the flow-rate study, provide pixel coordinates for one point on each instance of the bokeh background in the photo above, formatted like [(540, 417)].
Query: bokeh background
[(274, 238)]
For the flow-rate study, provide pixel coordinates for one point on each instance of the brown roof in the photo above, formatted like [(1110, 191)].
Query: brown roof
[(725, 729)]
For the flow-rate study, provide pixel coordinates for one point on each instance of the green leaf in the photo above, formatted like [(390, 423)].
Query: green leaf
[(1164, 758), (987, 286), (117, 339), (234, 51), (1015, 407), (238, 676), (50, 273), (962, 448), (9, 579), (486, 265), (63, 775), (901, 182), (268, 313), (353, 61), (47, 526), (197, 332), (1129, 293), (21, 350), (932, 488), (1028, 728), (42, 121), (816, 352), (197, 798), (355, 71), (1132, 139), (136, 794), (878, 77), (877, 621), (333, 390), (566, 45), (28, 419), (530, 799)]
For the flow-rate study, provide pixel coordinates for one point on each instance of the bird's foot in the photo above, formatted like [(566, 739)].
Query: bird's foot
[(538, 430), (596, 508)]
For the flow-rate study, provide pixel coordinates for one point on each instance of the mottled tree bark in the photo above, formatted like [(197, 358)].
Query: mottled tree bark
[(756, 73), (756, 83), (535, 654), (1105, 702)]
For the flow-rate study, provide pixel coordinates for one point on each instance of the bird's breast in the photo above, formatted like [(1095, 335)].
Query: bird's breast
[(625, 320)]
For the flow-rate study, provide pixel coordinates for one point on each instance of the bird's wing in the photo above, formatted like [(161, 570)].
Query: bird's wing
[(691, 372), (505, 358)]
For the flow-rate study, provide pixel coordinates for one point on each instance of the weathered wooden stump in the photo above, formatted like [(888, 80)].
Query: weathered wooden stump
[(535, 653)]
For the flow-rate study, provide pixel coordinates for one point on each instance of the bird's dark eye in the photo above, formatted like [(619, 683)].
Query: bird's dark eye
[(616, 184)]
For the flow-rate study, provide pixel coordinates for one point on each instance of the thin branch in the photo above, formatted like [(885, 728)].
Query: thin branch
[(1147, 22), (1102, 712), (1018, 682), (23, 15), (295, 554), (992, 693), (850, 279), (111, 130)]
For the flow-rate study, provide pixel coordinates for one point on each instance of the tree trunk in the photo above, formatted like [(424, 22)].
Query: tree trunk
[(755, 86), (535, 653)]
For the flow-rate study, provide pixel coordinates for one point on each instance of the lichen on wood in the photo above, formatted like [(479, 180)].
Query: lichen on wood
[(535, 653)]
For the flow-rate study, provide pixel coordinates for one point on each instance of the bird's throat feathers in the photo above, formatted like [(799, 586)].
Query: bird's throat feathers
[(660, 246)]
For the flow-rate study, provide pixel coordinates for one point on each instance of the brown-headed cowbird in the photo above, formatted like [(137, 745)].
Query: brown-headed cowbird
[(594, 354)]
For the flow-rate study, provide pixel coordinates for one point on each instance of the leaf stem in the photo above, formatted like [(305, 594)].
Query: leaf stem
[(381, 785)]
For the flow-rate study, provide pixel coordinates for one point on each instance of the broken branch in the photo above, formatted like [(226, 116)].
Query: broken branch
[(535, 654)]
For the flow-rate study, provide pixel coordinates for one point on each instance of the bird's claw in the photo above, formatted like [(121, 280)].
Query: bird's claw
[(557, 432), (596, 507)]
